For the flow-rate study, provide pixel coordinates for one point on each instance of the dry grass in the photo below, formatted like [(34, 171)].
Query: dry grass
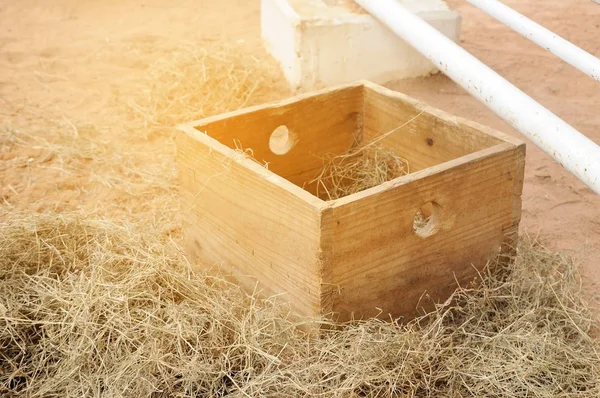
[(97, 309), (195, 82), (363, 166), (357, 170), (90, 308)]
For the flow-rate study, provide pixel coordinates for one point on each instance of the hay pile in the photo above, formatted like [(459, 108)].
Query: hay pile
[(194, 82), (363, 166), (89, 308), (357, 170)]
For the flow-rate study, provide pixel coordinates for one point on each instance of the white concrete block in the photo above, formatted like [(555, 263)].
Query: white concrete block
[(320, 43)]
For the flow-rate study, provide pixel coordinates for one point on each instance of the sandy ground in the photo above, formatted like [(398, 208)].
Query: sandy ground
[(69, 70)]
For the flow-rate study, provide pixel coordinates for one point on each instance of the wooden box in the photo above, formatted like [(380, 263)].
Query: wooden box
[(360, 255)]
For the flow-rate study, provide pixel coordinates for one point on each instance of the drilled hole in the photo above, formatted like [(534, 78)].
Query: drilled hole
[(427, 220), (281, 141)]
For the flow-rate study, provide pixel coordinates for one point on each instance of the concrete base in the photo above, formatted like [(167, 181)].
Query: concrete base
[(320, 43)]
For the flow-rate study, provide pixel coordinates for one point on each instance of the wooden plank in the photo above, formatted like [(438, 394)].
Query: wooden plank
[(433, 137), (240, 219), (322, 123), (379, 262)]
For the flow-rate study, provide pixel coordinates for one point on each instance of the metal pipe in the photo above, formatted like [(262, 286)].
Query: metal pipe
[(541, 36), (575, 152)]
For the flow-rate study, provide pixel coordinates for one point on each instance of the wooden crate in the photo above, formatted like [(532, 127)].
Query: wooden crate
[(359, 255)]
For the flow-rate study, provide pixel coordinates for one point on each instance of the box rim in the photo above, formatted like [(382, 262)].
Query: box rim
[(191, 129), (429, 171), (422, 106), (274, 104), (253, 166)]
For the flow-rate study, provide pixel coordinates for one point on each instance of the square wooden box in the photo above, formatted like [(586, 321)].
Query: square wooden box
[(359, 255)]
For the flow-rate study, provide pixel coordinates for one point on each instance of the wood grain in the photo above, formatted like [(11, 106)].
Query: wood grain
[(320, 124), (432, 138), (246, 223), (379, 262)]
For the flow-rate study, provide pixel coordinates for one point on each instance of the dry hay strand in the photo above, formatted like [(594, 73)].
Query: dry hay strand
[(195, 82), (357, 170), (90, 308), (248, 153), (363, 166)]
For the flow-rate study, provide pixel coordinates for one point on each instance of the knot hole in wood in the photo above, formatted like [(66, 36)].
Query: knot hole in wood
[(427, 220), (282, 140)]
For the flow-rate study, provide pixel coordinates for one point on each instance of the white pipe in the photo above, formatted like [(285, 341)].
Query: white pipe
[(541, 36), (575, 152)]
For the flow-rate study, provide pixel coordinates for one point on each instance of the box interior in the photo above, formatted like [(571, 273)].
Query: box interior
[(295, 137)]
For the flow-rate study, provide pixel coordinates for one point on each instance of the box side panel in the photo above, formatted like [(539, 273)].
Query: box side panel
[(379, 261), (245, 227), (318, 126), (423, 135)]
